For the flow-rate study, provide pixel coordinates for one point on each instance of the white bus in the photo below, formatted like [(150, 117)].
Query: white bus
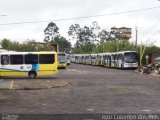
[(94, 59), (123, 59), (87, 59), (68, 59), (126, 59)]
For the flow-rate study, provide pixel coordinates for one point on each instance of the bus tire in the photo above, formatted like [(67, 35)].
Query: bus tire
[(32, 74)]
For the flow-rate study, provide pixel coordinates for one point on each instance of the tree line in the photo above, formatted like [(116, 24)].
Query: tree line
[(89, 39)]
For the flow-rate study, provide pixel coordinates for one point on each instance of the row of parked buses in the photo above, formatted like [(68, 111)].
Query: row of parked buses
[(123, 59)]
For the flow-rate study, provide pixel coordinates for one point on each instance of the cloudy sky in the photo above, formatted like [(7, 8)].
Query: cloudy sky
[(19, 11)]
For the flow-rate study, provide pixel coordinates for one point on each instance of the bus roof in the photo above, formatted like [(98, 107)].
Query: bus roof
[(125, 51), (16, 53), (61, 53)]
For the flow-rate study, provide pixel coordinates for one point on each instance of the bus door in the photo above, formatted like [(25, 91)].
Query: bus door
[(109, 61), (112, 60)]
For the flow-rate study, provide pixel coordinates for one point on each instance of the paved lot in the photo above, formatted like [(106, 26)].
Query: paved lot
[(27, 84), (91, 89)]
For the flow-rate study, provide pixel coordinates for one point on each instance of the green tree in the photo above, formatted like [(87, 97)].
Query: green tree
[(51, 32), (84, 48), (84, 34), (6, 44), (52, 36), (74, 30), (105, 36), (111, 46), (149, 50), (85, 37), (63, 44)]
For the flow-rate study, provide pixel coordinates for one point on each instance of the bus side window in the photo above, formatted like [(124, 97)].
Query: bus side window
[(46, 58), (121, 57), (4, 59), (16, 59), (31, 59)]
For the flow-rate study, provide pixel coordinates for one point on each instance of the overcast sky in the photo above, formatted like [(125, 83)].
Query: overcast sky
[(148, 21)]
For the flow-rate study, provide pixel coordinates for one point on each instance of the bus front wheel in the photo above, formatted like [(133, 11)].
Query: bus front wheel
[(32, 75)]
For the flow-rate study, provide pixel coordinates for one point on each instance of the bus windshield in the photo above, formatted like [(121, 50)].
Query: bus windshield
[(61, 57), (131, 57), (93, 57)]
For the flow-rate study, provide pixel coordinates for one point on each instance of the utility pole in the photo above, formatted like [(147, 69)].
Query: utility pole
[(118, 37), (136, 37)]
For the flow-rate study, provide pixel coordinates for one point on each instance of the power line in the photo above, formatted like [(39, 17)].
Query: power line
[(84, 17)]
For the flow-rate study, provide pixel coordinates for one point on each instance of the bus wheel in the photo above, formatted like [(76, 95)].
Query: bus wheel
[(32, 75)]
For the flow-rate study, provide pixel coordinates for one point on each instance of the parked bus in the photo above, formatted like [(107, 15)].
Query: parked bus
[(123, 59), (113, 60), (102, 58), (107, 60), (93, 59), (62, 59), (87, 59), (30, 64), (82, 58), (68, 59), (72, 58), (126, 59)]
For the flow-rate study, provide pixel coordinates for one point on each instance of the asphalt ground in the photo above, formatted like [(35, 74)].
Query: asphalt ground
[(27, 84), (90, 89)]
